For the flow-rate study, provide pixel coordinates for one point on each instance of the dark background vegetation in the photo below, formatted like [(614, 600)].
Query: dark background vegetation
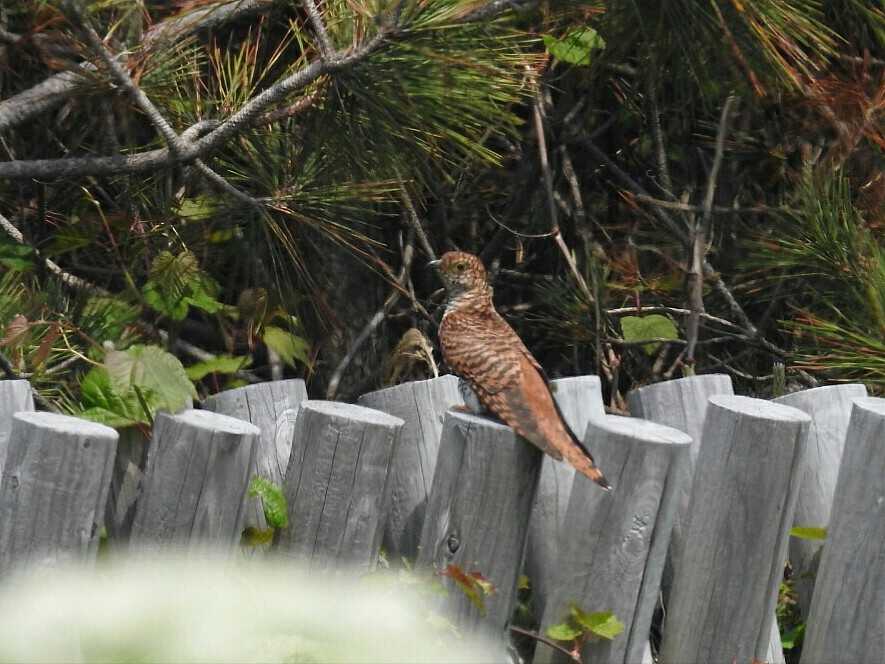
[(710, 196)]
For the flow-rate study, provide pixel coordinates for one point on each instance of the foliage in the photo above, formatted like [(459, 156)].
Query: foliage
[(276, 511), (473, 584), (808, 532), (579, 625)]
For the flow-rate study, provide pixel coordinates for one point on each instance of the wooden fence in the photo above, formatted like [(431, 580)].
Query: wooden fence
[(706, 489)]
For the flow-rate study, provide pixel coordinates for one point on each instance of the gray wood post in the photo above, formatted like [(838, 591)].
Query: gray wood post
[(478, 515), (746, 482), (614, 555), (830, 410), (54, 488), (682, 404), (15, 396), (580, 399), (126, 482), (847, 620), (272, 407), (421, 405), (337, 485), (198, 468)]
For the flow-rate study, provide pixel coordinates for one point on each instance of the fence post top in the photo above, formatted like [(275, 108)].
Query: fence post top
[(641, 431), (351, 412), (875, 405), (823, 391), (758, 408), (294, 383), (593, 378), (408, 385), (700, 378), (462, 419), (211, 421), (65, 424)]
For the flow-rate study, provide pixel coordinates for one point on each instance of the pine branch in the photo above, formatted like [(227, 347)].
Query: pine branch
[(53, 91)]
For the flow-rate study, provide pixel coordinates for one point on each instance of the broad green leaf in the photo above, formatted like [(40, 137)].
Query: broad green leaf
[(173, 307), (176, 282), (287, 345), (523, 583), (600, 623), (151, 368), (276, 511), (199, 207), (224, 364), (563, 632), (652, 326), (808, 532), (103, 404), (575, 47), (202, 300)]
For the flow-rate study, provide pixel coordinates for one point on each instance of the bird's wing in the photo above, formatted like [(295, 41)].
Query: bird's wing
[(503, 373)]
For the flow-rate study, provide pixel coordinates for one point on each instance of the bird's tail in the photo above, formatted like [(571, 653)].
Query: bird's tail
[(579, 457)]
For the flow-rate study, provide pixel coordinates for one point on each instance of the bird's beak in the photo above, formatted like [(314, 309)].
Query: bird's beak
[(433, 263)]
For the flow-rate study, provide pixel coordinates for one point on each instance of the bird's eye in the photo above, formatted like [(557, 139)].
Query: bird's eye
[(460, 267)]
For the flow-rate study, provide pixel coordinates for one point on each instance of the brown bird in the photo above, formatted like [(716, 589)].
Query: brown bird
[(504, 376)]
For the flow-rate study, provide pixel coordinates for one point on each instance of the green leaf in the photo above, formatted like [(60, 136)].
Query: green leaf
[(256, 537), (809, 532), (177, 282), (575, 47), (600, 623), (653, 326), (104, 405), (563, 632), (287, 345), (223, 364), (523, 583), (276, 511), (793, 637), (16, 257), (151, 368), (193, 209)]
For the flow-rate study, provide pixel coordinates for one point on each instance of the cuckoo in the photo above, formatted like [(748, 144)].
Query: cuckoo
[(498, 373)]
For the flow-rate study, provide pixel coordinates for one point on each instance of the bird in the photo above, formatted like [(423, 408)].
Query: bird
[(498, 373)]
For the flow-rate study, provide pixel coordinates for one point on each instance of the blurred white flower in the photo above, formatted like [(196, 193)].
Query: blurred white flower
[(205, 608)]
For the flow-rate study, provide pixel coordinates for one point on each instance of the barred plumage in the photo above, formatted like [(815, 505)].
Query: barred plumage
[(483, 349)]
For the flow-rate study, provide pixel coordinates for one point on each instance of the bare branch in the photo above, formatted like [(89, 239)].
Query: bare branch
[(715, 209), (326, 48), (549, 642), (625, 311), (415, 223)]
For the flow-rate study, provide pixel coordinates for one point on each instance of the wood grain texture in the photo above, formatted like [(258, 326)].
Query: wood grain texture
[(337, 485), (613, 556), (126, 484), (682, 404), (580, 399), (54, 488), (745, 488), (847, 618), (830, 411), (421, 405), (198, 469), (478, 513), (272, 407), (15, 397)]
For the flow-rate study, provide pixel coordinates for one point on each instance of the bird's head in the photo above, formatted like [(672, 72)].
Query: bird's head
[(462, 273)]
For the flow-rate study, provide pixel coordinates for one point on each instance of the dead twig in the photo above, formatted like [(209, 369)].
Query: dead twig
[(549, 642)]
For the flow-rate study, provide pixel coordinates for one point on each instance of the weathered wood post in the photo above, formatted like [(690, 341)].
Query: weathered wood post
[(337, 485), (580, 399), (682, 404), (847, 619), (15, 397), (198, 468), (830, 410), (421, 405), (126, 481), (478, 514), (272, 407), (54, 487), (721, 607), (614, 554)]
